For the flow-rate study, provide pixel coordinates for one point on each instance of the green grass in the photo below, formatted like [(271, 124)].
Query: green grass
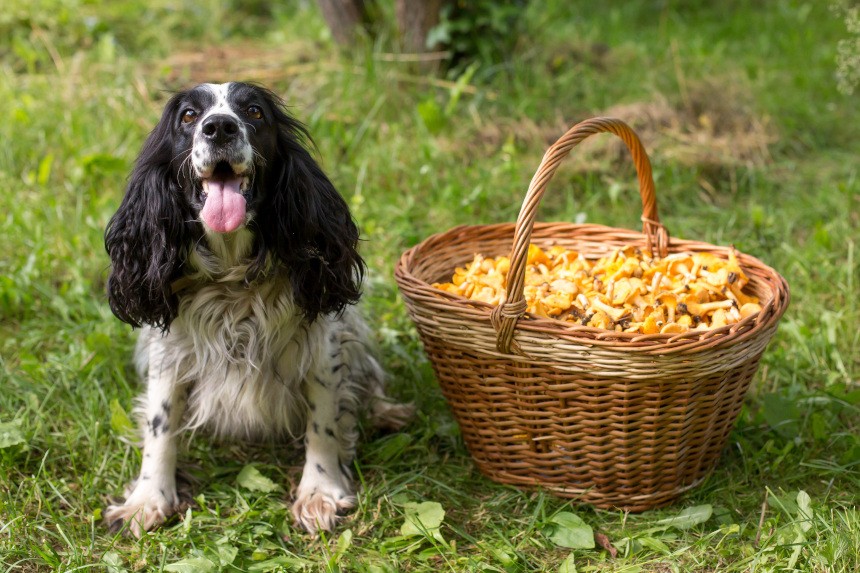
[(82, 84)]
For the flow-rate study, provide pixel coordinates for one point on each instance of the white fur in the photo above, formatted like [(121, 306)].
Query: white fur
[(241, 361), (205, 156), (222, 103)]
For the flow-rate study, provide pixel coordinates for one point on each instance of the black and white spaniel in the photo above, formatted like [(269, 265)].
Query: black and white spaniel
[(237, 257)]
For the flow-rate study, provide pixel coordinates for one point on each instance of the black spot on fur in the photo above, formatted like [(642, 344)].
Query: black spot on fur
[(329, 432), (316, 428), (321, 469), (155, 425), (337, 367), (345, 469)]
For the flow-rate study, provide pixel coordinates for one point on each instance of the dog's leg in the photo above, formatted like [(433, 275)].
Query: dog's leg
[(385, 413), (152, 497), (368, 377), (326, 488)]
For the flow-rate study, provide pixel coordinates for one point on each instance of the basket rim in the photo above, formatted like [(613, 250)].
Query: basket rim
[(418, 290)]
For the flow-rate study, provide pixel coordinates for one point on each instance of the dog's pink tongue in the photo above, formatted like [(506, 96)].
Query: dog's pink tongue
[(224, 210)]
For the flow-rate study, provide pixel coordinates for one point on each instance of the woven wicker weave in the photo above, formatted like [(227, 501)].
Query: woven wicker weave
[(618, 420)]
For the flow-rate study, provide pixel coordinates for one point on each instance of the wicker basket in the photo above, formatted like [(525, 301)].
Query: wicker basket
[(618, 420)]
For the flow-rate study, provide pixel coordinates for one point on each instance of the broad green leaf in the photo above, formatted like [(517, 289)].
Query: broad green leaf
[(689, 517), (186, 521), (423, 518), (786, 502), (250, 478), (804, 510), (654, 545), (280, 563), (113, 562), (569, 530), (431, 115), (192, 565), (227, 554), (120, 423), (502, 555), (10, 434), (567, 566), (343, 542), (795, 555)]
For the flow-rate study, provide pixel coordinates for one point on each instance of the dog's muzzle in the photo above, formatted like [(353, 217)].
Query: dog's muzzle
[(222, 160)]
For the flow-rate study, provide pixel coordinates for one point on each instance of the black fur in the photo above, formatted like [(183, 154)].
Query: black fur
[(307, 225), (302, 227)]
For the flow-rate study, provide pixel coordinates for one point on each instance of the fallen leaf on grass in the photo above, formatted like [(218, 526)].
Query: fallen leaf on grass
[(113, 562), (192, 565), (569, 530), (251, 478), (10, 434), (654, 544), (120, 422), (568, 565), (280, 563), (688, 517), (603, 540), (227, 554), (423, 519)]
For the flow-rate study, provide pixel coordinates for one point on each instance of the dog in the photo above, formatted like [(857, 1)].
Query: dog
[(237, 258)]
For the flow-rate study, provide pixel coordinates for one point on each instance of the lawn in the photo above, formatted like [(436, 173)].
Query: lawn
[(752, 144)]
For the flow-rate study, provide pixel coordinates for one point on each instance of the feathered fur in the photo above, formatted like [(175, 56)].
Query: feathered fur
[(237, 257)]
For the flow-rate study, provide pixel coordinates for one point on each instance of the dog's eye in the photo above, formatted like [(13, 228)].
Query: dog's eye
[(254, 112), (189, 116)]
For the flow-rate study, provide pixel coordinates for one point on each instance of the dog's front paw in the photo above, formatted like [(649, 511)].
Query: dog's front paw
[(318, 508), (144, 509)]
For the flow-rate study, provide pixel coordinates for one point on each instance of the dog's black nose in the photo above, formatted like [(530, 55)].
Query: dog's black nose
[(220, 128)]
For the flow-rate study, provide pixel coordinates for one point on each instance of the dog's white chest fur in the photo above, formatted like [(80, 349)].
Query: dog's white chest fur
[(241, 355)]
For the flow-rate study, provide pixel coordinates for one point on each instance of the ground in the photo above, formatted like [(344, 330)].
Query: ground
[(752, 145)]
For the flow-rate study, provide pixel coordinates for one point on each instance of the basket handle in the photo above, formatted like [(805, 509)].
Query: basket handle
[(505, 316)]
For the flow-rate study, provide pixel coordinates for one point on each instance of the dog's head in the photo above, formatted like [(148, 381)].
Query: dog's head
[(228, 160), (224, 134)]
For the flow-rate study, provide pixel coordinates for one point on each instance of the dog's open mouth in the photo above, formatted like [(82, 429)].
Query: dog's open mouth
[(224, 202)]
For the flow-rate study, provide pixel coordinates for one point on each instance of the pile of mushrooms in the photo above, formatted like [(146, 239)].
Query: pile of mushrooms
[(627, 291)]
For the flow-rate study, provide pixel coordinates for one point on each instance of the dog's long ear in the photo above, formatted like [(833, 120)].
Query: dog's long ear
[(149, 234), (307, 225)]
